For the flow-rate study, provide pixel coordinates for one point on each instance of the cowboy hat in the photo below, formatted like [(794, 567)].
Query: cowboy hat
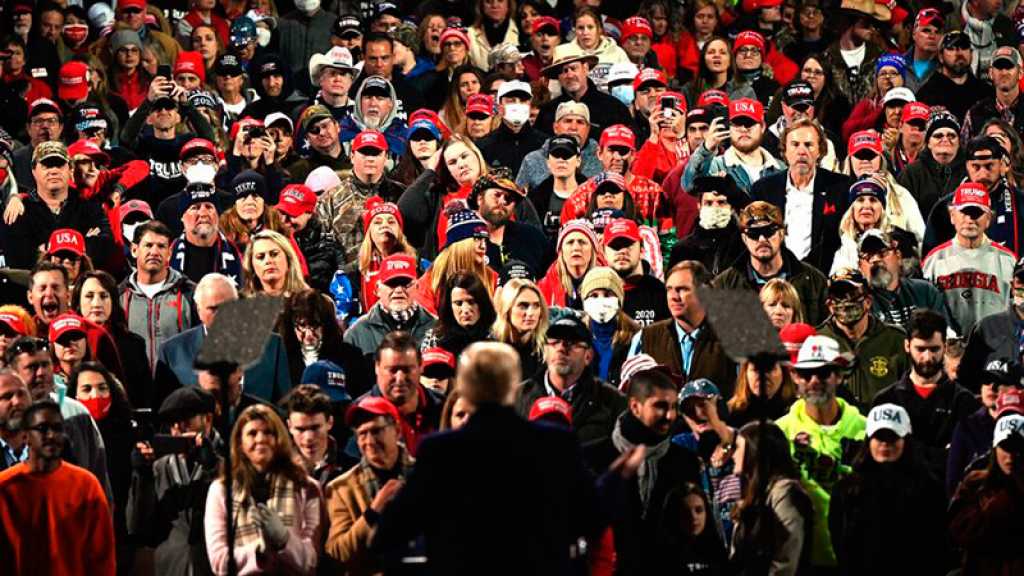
[(565, 54)]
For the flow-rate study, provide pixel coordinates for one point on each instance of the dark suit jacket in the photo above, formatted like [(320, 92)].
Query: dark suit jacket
[(830, 203), (268, 380), (500, 496)]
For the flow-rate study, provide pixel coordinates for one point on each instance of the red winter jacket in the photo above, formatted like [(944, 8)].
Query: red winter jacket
[(654, 160), (863, 117), (683, 206)]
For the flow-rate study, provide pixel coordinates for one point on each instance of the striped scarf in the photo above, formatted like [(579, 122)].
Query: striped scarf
[(282, 500)]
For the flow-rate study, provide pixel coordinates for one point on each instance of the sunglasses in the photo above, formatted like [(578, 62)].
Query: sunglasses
[(28, 345), (562, 154), (403, 283), (478, 116), (370, 152), (619, 150), (972, 212), (608, 191), (316, 129), (761, 232), (166, 104), (866, 155), (53, 162), (66, 256), (822, 372)]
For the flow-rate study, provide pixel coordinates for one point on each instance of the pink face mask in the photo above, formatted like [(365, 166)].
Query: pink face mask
[(75, 34), (98, 407)]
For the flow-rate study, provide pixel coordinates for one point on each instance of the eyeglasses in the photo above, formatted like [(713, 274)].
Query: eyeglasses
[(45, 121), (813, 73), (889, 74), (869, 256), (452, 44), (44, 427), (822, 372), (749, 51), (761, 232), (306, 327), (202, 159)]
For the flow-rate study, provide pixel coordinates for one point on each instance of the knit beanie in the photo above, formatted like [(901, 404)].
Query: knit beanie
[(125, 37), (578, 225), (603, 277), (868, 185), (940, 118), (375, 206), (249, 183), (463, 223)]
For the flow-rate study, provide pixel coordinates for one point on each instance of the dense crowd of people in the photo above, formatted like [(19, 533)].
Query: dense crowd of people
[(490, 224)]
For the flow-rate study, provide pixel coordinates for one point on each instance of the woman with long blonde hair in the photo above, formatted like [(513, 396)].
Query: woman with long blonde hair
[(272, 266), (522, 322), (382, 237), (465, 250), (866, 158), (275, 504), (578, 252)]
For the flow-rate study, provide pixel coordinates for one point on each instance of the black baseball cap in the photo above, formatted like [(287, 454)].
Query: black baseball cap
[(567, 143), (184, 403), (347, 24), (798, 92), (569, 328), (956, 39)]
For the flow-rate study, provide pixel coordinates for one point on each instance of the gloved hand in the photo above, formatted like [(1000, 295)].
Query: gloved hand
[(275, 533)]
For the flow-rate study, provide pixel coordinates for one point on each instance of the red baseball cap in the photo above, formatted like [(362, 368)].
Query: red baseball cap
[(397, 266), (618, 135), (122, 4), (86, 147), (66, 240), (480, 103), (747, 108), (296, 200), (66, 323), (14, 322), (748, 38), (190, 63), (1010, 402), (749, 6), (248, 121), (971, 194), (375, 206), (43, 105), (542, 22), (636, 25), (865, 140), (551, 406), (134, 205), (439, 362), (433, 118), (196, 146), (74, 81), (649, 76), (373, 405), (680, 100), (709, 97), (915, 111), (369, 139), (793, 336), (621, 228), (929, 17)]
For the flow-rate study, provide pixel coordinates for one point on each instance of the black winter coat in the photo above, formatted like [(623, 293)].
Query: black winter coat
[(323, 255), (595, 405)]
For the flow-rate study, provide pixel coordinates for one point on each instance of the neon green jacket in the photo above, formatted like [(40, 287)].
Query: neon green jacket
[(823, 454)]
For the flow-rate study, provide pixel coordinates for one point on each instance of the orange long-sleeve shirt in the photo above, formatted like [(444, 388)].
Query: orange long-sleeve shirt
[(55, 523)]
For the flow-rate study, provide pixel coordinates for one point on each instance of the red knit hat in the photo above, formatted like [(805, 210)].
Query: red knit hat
[(375, 206)]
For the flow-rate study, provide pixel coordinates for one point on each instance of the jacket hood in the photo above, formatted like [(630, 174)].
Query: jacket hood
[(357, 112), (266, 58)]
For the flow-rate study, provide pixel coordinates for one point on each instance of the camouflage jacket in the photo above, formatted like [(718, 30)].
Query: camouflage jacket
[(341, 213)]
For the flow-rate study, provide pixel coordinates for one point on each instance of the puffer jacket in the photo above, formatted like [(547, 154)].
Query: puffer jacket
[(928, 181), (170, 312), (323, 254)]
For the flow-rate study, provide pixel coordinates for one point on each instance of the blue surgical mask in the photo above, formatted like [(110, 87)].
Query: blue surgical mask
[(624, 94)]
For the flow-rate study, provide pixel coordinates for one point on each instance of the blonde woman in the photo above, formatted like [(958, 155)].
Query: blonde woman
[(868, 200), (276, 506), (272, 266), (522, 322), (781, 303), (495, 24), (578, 252), (464, 250), (865, 158), (382, 237)]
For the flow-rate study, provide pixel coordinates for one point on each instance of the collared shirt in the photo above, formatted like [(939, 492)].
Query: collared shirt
[(687, 341), (8, 457), (799, 216), (565, 394)]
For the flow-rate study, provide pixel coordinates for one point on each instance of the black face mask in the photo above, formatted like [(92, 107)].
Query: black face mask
[(356, 52)]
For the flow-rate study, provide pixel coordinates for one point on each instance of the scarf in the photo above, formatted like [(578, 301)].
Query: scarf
[(982, 39), (401, 317), (282, 500), (630, 432), (495, 32)]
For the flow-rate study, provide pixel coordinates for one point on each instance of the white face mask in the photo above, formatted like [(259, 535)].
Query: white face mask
[(601, 309), (1018, 305), (624, 94), (715, 217), (517, 114), (308, 6), (262, 36), (128, 231), (201, 173)]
